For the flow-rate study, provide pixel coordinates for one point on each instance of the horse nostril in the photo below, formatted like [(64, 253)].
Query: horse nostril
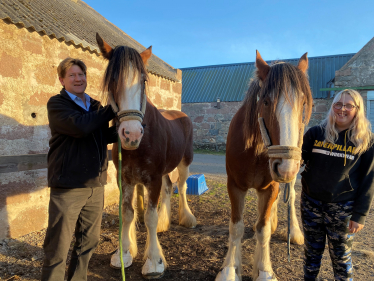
[(275, 165)]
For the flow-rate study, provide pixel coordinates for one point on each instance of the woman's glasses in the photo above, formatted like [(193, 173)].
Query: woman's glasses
[(348, 106)]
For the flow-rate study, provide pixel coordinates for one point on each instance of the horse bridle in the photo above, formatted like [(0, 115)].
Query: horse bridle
[(130, 114), (281, 151)]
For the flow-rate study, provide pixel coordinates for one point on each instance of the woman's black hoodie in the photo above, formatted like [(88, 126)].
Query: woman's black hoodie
[(329, 178)]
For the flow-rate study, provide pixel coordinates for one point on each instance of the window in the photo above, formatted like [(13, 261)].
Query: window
[(370, 108)]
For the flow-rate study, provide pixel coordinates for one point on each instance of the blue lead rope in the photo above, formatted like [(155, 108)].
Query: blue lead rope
[(286, 199), (120, 207)]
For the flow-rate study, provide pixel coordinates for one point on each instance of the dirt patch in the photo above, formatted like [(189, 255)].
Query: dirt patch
[(192, 254)]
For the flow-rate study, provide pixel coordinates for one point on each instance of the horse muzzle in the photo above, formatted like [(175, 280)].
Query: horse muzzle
[(283, 170)]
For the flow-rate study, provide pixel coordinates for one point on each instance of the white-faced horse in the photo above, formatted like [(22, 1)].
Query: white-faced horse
[(264, 148), (153, 144)]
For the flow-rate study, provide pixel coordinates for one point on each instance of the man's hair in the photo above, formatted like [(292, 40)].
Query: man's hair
[(67, 63)]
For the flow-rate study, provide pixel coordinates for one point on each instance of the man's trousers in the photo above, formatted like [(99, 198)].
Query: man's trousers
[(78, 209)]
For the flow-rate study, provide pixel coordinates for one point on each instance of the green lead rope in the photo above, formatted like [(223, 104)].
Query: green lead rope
[(120, 206)]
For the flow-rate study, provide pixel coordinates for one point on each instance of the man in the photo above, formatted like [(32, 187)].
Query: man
[(77, 173)]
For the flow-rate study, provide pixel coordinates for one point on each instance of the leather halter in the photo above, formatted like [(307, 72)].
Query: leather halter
[(281, 151), (130, 114)]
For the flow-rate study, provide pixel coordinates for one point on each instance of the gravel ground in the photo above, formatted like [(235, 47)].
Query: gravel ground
[(192, 254)]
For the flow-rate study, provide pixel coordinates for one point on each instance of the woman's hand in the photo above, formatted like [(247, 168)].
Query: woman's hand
[(355, 227)]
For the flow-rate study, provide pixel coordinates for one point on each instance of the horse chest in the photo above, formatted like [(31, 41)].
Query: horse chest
[(134, 174)]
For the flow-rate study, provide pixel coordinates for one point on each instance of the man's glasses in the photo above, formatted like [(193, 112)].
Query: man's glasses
[(348, 106)]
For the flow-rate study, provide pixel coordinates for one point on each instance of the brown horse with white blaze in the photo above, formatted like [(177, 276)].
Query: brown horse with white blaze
[(153, 144), (264, 148)]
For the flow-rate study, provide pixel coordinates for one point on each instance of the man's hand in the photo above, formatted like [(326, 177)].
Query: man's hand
[(355, 227)]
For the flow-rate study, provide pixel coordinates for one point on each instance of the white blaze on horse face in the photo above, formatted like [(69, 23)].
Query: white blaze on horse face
[(130, 97), (288, 120)]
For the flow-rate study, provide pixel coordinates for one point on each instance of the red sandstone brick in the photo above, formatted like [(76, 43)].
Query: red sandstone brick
[(63, 54), (18, 199), (31, 219), (46, 74), (211, 119), (13, 188), (39, 99), (199, 119), (152, 81), (165, 85), (177, 88), (169, 103), (17, 132), (33, 46), (179, 103), (10, 66)]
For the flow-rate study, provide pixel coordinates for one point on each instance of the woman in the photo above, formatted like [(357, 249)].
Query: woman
[(337, 183)]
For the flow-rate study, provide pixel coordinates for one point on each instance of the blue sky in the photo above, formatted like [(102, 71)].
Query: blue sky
[(196, 33)]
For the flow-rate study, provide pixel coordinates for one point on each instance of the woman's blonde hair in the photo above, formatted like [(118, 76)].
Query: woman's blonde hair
[(359, 132)]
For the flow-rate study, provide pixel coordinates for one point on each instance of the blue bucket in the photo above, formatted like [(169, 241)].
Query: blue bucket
[(196, 185)]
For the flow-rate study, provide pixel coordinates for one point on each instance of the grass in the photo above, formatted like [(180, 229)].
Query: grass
[(207, 151)]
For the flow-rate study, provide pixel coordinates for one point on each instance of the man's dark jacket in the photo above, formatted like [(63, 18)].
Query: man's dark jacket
[(78, 154)]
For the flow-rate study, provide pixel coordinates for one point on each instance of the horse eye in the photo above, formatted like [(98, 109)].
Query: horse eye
[(266, 102)]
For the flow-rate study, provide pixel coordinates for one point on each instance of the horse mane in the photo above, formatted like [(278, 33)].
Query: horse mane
[(117, 71), (282, 77)]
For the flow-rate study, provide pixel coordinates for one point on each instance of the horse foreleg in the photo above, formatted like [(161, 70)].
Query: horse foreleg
[(140, 202), (186, 218), (296, 235), (232, 266), (262, 269), (274, 216), (129, 246), (164, 214), (155, 263)]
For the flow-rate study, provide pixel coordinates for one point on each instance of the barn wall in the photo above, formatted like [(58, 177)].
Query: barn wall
[(211, 125), (28, 78)]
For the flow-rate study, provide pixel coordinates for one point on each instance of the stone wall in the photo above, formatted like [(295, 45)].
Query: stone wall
[(28, 78), (359, 70), (211, 125)]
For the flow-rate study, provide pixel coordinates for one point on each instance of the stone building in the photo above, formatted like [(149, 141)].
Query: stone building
[(213, 94), (358, 73), (35, 36)]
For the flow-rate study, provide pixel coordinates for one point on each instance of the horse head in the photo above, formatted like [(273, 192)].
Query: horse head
[(124, 80), (284, 103)]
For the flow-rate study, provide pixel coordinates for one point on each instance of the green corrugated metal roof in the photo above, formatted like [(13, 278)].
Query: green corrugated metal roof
[(230, 82)]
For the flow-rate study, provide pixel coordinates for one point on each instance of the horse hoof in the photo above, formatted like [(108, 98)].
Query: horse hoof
[(266, 276), (227, 274), (153, 270), (115, 261)]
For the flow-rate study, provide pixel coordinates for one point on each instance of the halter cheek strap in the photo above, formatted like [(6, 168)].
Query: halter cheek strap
[(281, 151), (130, 114)]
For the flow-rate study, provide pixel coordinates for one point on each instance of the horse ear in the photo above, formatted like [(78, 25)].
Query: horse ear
[(104, 47), (146, 54), (303, 63), (262, 67)]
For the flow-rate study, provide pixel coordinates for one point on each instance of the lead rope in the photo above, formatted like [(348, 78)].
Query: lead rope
[(286, 199), (120, 206)]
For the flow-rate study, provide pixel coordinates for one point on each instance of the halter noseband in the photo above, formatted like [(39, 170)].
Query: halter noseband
[(129, 114), (281, 151)]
